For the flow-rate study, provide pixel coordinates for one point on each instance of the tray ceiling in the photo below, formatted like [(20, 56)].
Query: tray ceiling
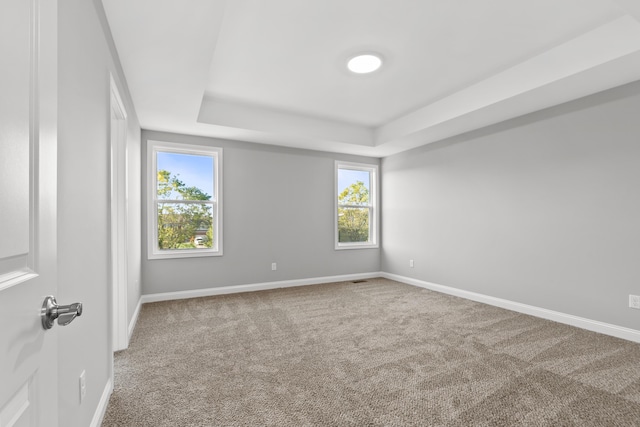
[(275, 72)]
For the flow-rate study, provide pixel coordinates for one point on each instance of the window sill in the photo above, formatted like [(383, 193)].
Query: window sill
[(198, 253), (356, 246)]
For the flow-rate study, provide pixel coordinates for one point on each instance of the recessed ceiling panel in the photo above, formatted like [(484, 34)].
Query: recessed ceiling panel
[(291, 55)]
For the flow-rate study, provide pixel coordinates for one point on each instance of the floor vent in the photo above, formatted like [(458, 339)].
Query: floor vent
[(359, 281)]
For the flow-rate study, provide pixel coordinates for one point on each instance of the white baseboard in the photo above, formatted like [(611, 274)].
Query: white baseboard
[(568, 319), (134, 320), (98, 416), (166, 296)]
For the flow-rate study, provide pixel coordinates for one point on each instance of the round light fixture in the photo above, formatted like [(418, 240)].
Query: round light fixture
[(363, 64)]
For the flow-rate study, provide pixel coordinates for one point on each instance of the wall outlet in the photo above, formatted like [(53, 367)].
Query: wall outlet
[(634, 301), (83, 385), (411, 263), (274, 266)]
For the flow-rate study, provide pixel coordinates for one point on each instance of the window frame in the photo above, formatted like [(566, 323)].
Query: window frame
[(153, 147), (373, 205)]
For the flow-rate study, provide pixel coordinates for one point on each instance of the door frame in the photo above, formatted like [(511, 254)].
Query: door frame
[(119, 184)]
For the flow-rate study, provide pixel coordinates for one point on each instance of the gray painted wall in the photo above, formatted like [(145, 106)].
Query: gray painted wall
[(542, 210), (278, 207), (85, 61)]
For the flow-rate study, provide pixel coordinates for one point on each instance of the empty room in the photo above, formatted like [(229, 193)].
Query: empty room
[(320, 213)]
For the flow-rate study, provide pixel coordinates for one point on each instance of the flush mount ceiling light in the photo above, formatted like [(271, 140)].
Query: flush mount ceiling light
[(363, 64)]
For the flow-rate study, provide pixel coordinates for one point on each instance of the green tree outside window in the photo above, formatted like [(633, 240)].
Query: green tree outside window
[(183, 214), (353, 213)]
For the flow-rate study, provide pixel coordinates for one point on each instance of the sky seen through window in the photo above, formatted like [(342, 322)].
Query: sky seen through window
[(193, 170)]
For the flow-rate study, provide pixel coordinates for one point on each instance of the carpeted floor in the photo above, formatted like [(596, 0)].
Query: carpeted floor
[(378, 353)]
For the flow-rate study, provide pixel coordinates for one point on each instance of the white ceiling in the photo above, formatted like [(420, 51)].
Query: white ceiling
[(275, 71)]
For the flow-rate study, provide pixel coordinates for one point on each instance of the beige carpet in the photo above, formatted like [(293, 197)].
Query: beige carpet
[(377, 353)]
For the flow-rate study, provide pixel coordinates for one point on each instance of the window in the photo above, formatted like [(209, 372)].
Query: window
[(184, 200), (356, 198)]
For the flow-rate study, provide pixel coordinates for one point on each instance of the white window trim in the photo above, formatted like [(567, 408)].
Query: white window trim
[(373, 209), (152, 218)]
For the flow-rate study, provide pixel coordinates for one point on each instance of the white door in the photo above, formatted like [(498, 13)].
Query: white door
[(28, 138)]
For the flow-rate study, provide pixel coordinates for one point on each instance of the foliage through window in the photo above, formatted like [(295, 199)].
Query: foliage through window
[(356, 225), (185, 200)]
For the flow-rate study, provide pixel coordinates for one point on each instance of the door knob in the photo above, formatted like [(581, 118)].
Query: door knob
[(64, 313)]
